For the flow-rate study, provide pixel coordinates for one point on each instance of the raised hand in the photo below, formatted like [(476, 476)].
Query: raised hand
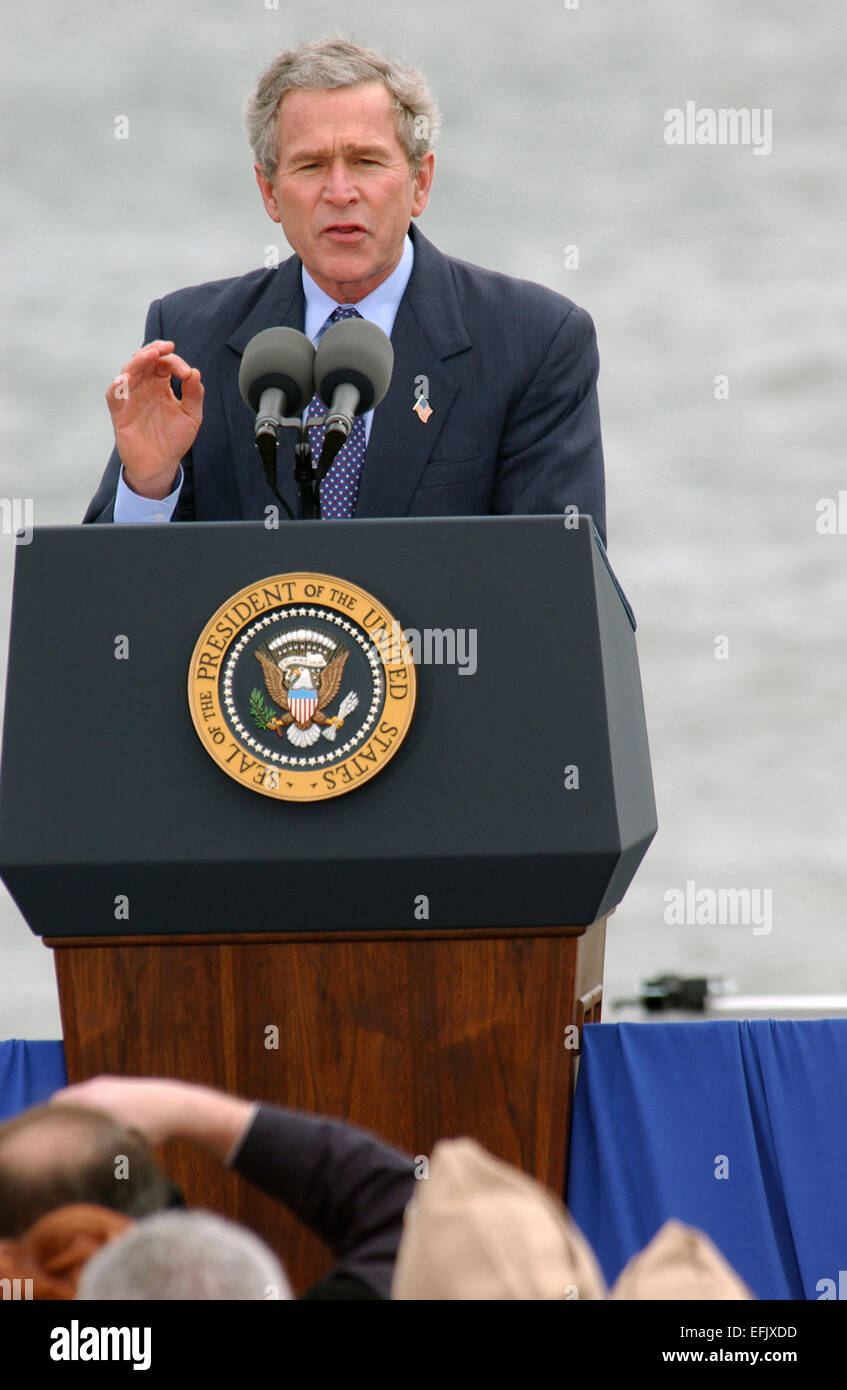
[(153, 429), (163, 1109)]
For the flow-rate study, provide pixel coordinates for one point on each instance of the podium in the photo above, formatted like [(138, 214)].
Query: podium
[(417, 954)]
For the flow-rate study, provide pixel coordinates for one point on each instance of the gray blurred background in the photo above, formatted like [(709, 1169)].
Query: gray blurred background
[(694, 262)]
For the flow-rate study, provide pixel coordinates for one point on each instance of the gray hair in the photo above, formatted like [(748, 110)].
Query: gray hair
[(337, 62), (184, 1255)]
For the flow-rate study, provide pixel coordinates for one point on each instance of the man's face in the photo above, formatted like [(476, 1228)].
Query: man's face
[(343, 192)]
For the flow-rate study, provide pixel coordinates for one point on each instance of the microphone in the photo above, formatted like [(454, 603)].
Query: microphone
[(353, 366), (276, 380)]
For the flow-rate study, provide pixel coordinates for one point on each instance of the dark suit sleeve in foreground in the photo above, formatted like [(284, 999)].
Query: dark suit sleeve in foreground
[(551, 451), (346, 1185)]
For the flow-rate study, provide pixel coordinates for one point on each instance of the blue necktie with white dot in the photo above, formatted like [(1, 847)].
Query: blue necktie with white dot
[(340, 487)]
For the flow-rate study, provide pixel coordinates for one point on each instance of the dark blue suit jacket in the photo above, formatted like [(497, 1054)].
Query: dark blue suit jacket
[(512, 371)]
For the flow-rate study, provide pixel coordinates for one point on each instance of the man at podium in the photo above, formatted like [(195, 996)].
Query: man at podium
[(492, 406)]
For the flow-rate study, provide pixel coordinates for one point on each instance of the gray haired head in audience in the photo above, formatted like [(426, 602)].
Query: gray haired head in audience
[(185, 1255)]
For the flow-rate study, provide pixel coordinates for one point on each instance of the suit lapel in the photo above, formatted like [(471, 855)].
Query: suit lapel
[(428, 329), (281, 305)]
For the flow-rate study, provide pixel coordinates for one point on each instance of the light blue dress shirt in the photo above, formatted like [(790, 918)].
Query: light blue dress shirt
[(379, 307)]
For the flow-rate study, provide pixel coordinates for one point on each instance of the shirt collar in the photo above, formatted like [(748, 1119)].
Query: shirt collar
[(379, 307)]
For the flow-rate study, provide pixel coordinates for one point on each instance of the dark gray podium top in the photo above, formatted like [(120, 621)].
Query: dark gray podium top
[(115, 821)]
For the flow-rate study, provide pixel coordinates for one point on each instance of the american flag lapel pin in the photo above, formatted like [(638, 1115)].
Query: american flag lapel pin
[(422, 409)]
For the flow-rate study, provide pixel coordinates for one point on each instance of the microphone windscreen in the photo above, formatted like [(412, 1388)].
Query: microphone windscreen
[(357, 353), (279, 357)]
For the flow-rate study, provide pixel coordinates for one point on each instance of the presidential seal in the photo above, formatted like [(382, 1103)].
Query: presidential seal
[(302, 686)]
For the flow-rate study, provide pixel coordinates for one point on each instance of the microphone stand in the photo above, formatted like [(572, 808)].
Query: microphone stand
[(266, 444), (304, 474), (307, 476)]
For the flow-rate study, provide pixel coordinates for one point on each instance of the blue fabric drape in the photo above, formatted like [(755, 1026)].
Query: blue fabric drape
[(29, 1073), (662, 1110)]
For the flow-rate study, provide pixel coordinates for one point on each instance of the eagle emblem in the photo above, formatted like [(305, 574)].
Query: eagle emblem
[(303, 672)]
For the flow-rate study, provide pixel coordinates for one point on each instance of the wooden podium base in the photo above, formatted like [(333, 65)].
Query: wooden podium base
[(416, 1036)]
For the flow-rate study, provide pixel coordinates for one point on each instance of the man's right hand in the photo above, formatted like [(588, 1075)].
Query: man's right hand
[(154, 430)]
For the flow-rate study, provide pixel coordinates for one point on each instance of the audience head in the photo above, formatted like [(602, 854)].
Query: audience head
[(52, 1156), (185, 1255), (47, 1260), (679, 1263), (479, 1229)]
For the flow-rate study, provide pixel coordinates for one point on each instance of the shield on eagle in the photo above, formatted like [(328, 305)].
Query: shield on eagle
[(302, 704)]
